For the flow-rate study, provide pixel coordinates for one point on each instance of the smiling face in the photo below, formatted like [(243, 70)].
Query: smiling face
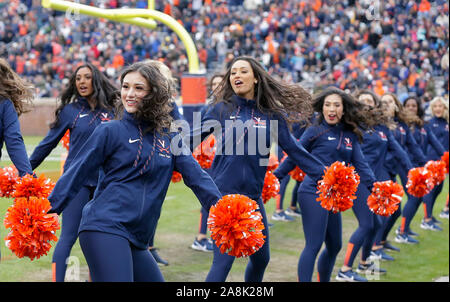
[(389, 105), (332, 109), (438, 109), (83, 82), (242, 79), (134, 88), (411, 106)]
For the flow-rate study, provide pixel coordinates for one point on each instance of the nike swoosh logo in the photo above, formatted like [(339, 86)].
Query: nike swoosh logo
[(133, 140), (83, 115), (331, 138)]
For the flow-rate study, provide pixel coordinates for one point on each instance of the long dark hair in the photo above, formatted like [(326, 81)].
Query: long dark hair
[(355, 113), (290, 101), (12, 87), (418, 120), (155, 107), (401, 114), (105, 94), (375, 115)]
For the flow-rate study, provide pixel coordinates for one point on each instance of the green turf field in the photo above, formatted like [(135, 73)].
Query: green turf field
[(179, 224)]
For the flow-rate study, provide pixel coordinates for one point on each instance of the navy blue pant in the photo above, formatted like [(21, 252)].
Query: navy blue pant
[(71, 217), (388, 222), (430, 199), (202, 228), (112, 258), (319, 226), (257, 263), (366, 225), (283, 186), (409, 211)]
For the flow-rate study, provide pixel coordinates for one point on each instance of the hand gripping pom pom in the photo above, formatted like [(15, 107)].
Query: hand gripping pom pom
[(32, 228), (437, 169), (66, 139), (273, 163), (420, 182), (385, 197), (297, 174), (444, 158), (176, 176), (28, 186), (337, 187), (8, 180), (205, 152), (236, 226), (271, 186)]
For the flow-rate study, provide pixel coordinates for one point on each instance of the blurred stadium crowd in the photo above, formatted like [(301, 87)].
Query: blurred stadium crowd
[(398, 46)]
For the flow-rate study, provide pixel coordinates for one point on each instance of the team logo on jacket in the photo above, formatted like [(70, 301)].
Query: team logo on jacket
[(402, 131), (446, 127), (163, 148), (382, 136), (104, 117), (423, 131), (348, 144), (258, 122)]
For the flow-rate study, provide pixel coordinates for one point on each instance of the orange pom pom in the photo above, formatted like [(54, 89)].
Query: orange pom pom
[(297, 174), (385, 198), (66, 139), (8, 180), (273, 163), (437, 169), (176, 176), (236, 226), (32, 228), (420, 182), (205, 152), (28, 186), (444, 158), (337, 187), (271, 186)]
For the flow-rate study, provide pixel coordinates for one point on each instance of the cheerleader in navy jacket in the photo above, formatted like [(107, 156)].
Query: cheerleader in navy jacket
[(14, 94), (250, 106), (137, 159), (377, 142), (334, 137), (438, 124), (87, 102), (424, 137), (404, 137)]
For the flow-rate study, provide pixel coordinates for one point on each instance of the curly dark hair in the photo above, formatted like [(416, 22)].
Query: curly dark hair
[(355, 113), (272, 96), (12, 87), (105, 94), (155, 107)]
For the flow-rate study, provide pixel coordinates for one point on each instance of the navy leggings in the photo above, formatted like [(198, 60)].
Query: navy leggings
[(388, 222), (283, 186), (409, 211), (430, 199), (71, 217), (257, 263), (319, 225), (366, 225), (112, 258), (202, 228)]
